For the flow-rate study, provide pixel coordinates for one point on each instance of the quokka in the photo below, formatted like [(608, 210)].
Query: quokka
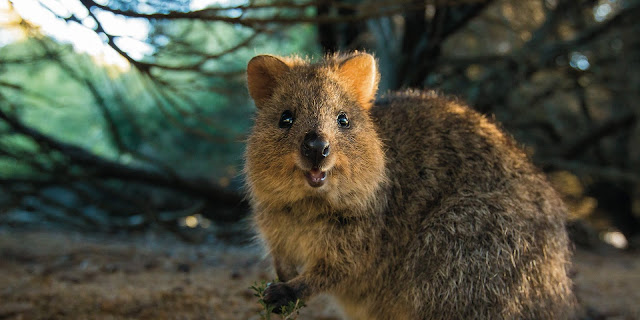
[(413, 206)]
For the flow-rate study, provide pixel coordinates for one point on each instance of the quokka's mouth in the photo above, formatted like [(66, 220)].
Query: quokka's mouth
[(316, 177)]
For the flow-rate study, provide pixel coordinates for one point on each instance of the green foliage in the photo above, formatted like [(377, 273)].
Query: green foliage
[(14, 148), (181, 111), (289, 312), (195, 122), (50, 99)]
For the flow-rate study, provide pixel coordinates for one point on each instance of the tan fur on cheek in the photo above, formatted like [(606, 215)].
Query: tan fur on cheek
[(342, 165), (353, 187), (276, 182)]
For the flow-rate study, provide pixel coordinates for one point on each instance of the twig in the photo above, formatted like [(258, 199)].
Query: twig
[(612, 126), (102, 168)]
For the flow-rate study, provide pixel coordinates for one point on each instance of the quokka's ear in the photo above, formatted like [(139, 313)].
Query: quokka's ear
[(360, 74), (262, 74)]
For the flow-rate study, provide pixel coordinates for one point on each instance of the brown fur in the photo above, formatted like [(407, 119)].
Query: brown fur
[(429, 211)]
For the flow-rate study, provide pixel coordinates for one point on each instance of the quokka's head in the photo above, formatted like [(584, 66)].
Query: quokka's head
[(313, 137)]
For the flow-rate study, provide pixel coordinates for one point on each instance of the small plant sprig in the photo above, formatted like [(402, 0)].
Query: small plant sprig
[(288, 312)]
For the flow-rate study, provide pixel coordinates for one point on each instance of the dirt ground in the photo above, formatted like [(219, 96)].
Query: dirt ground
[(47, 275)]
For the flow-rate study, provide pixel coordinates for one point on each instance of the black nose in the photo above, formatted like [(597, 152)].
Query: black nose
[(315, 148)]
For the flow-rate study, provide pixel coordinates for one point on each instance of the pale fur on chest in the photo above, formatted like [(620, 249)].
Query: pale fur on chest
[(305, 238)]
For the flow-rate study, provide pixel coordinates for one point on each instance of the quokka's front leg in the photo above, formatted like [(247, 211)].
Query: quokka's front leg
[(284, 270), (314, 280)]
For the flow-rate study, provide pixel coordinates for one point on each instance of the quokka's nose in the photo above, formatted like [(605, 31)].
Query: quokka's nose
[(315, 148)]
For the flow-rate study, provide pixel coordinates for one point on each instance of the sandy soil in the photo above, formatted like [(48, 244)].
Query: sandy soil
[(46, 275)]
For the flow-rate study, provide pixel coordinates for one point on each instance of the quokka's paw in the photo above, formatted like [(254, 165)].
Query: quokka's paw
[(278, 295)]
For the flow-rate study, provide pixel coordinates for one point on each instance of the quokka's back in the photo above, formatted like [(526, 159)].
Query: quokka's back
[(415, 207)]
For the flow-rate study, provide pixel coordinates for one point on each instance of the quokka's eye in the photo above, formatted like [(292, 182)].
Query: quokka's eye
[(286, 120), (343, 121)]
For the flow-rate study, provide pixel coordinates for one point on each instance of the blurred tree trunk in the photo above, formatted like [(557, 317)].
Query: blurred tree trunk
[(342, 36)]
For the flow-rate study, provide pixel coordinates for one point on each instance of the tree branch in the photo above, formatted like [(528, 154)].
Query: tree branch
[(102, 168), (580, 145)]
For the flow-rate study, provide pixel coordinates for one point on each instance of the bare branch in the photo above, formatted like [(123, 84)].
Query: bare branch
[(601, 172), (31, 93), (102, 168), (581, 144)]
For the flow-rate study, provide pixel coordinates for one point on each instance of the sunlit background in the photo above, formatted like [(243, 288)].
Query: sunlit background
[(131, 33)]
